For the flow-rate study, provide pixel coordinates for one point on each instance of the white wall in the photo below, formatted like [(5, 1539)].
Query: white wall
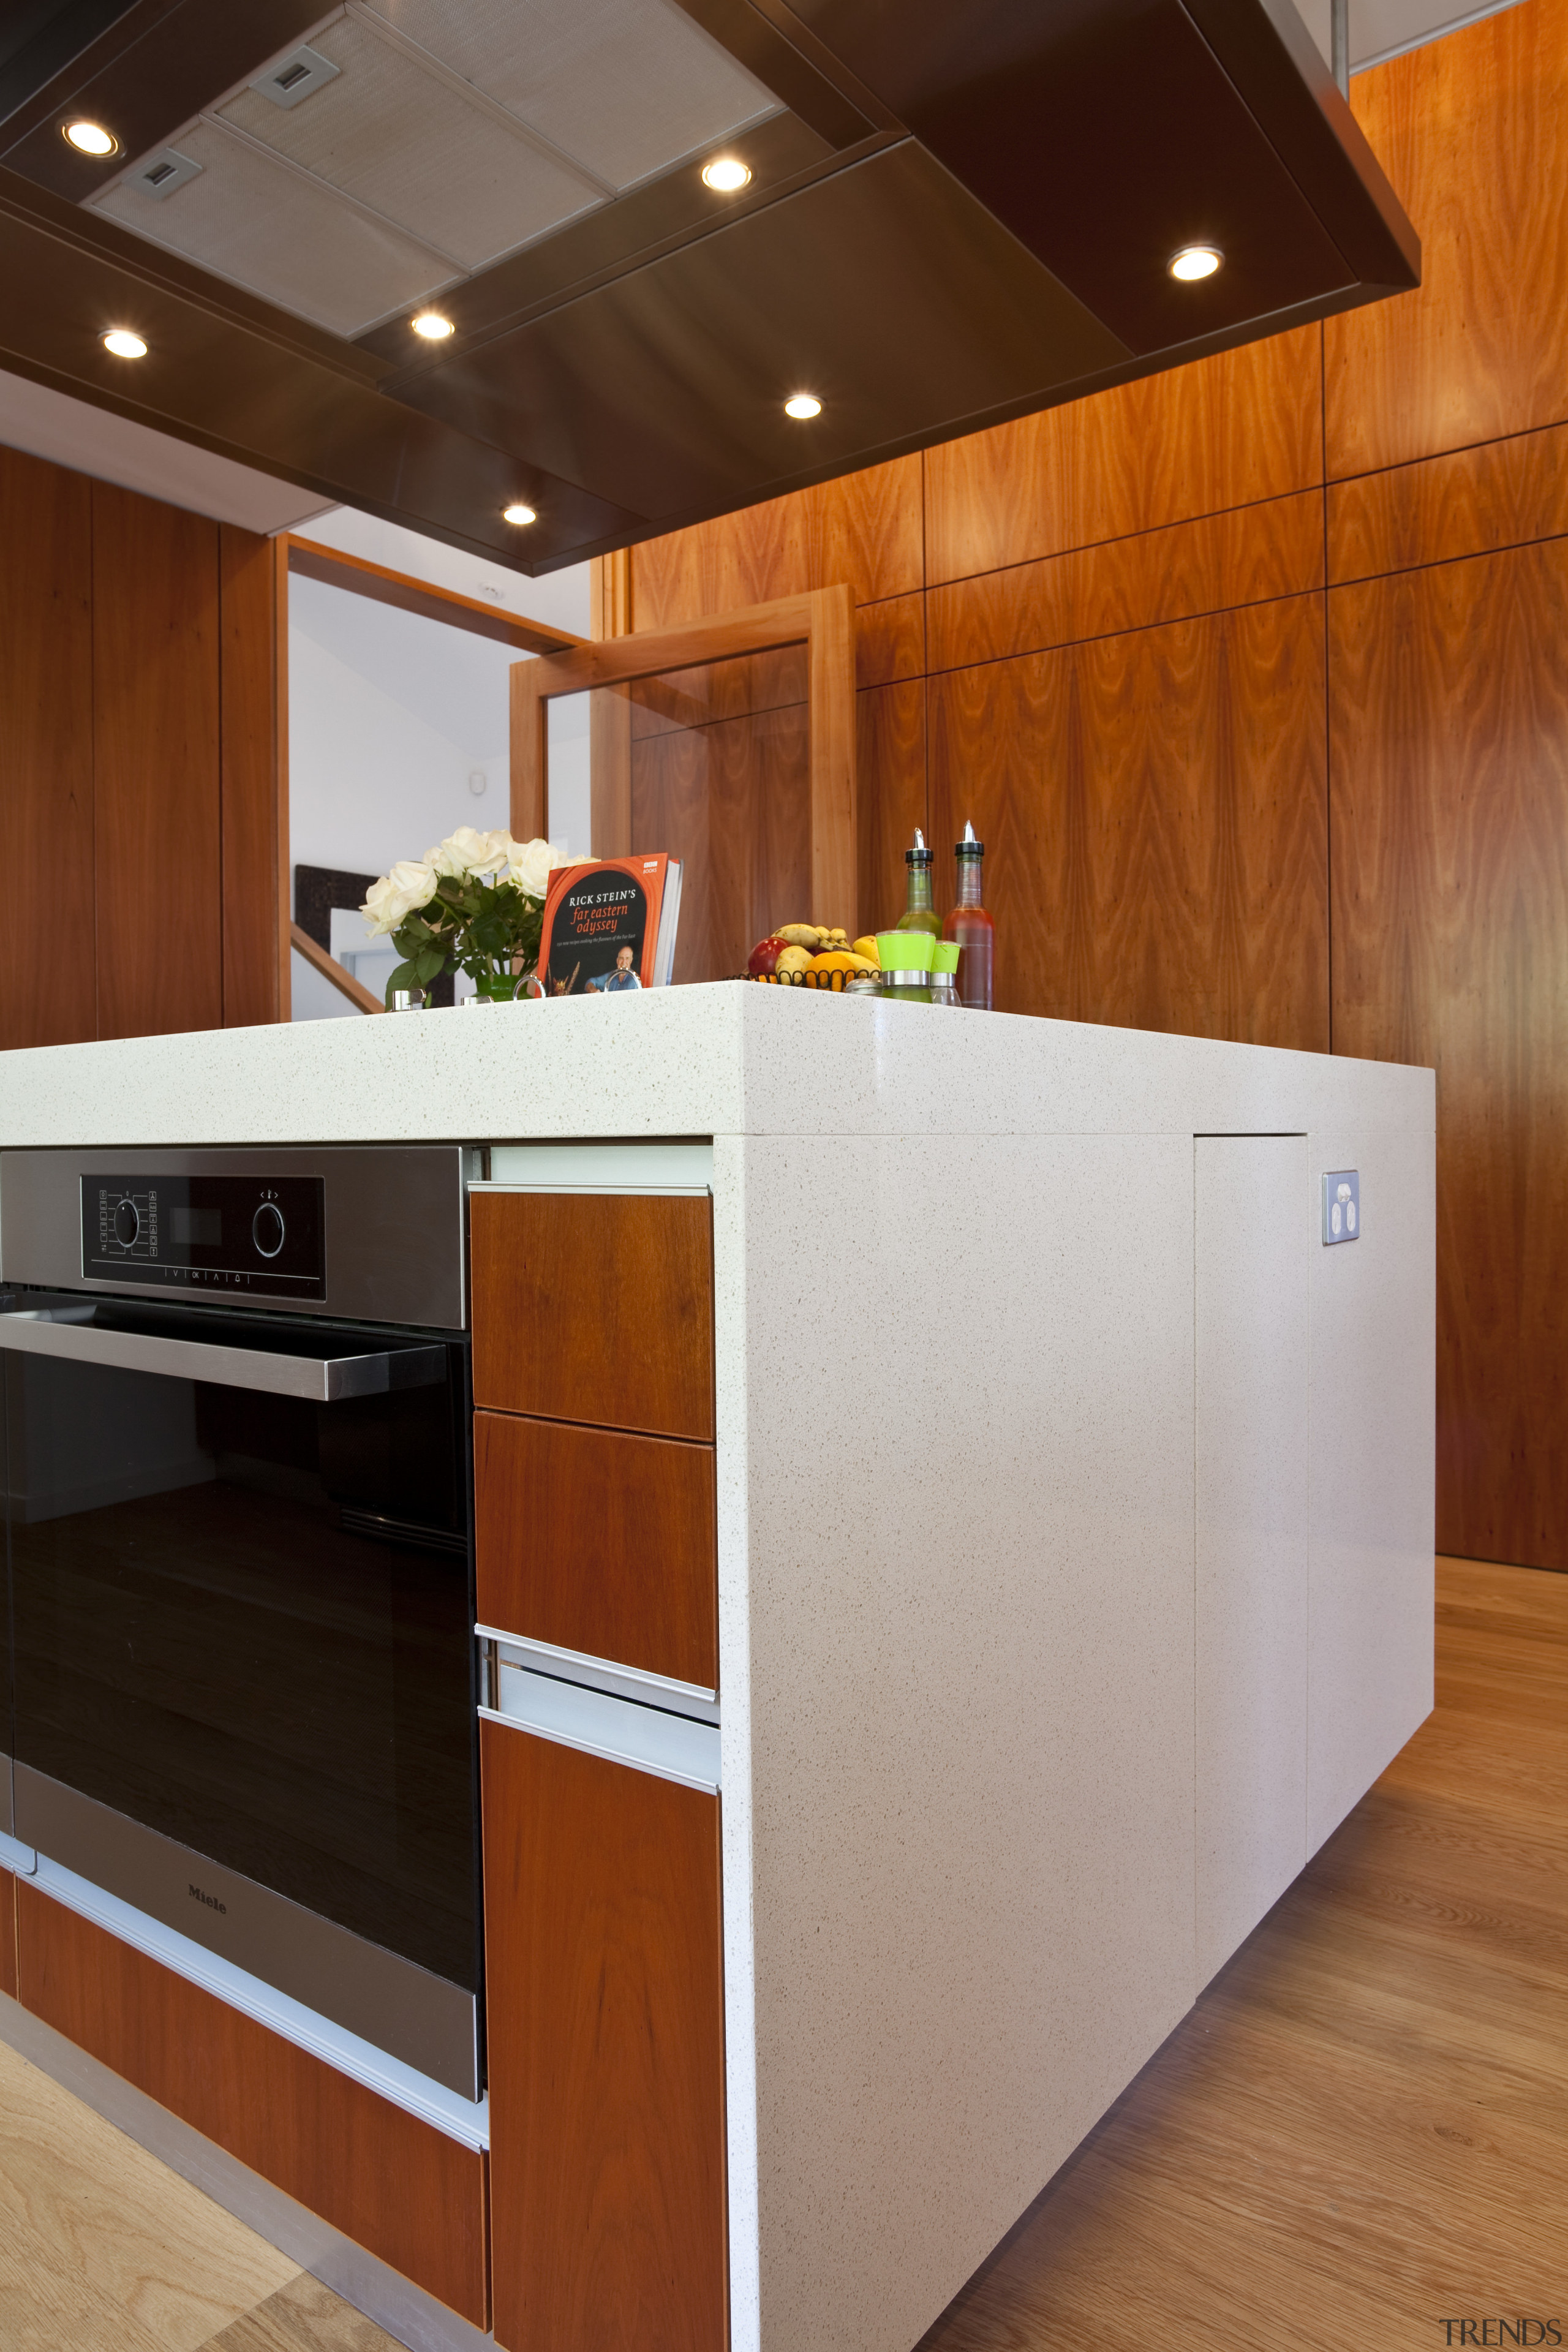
[(561, 598), (370, 781), (392, 720)]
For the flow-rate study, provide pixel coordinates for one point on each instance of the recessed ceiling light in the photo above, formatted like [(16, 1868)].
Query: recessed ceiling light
[(124, 344), (1194, 261), (432, 325), (726, 173), (517, 512), (805, 404), (91, 139)]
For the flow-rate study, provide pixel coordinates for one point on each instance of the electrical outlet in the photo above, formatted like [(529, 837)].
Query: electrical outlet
[(1341, 1206)]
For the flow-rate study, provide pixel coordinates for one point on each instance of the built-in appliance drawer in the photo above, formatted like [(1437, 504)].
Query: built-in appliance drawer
[(594, 1308), (599, 1541)]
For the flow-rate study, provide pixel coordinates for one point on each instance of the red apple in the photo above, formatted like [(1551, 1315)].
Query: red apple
[(764, 956)]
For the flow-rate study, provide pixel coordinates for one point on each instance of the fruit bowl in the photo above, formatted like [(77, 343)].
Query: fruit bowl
[(833, 979)]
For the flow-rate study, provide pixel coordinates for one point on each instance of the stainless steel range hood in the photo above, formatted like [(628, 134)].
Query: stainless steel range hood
[(956, 211)]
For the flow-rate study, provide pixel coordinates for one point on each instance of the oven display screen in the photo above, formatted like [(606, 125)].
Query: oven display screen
[(203, 1226), (240, 1234)]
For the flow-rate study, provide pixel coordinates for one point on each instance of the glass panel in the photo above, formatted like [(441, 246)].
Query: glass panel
[(244, 1620), (570, 821), (712, 764)]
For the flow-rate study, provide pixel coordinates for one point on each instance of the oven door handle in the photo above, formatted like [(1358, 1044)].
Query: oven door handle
[(323, 1381)]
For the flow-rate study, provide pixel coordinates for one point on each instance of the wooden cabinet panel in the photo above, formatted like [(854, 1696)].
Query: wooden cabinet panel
[(155, 730), (1244, 556), (7, 1934), (1450, 766), (596, 1540), (604, 1963), (596, 1308), (411, 2195), (1469, 502), (891, 796), (47, 971), (890, 640), (1243, 425), (864, 528), (1153, 807), (254, 906), (1472, 131)]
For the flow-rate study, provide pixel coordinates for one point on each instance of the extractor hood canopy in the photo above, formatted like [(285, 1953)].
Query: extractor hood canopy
[(948, 212)]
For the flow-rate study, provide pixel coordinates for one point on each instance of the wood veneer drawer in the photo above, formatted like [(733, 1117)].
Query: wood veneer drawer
[(414, 2197), (596, 1308), (606, 2053), (598, 1540), (7, 1934)]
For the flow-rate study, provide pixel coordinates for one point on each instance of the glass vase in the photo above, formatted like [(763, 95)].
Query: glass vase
[(500, 987)]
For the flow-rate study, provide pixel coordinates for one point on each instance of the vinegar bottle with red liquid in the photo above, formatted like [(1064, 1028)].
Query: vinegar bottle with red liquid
[(972, 927)]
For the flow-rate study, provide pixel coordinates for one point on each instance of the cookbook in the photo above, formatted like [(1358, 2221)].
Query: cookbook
[(609, 926)]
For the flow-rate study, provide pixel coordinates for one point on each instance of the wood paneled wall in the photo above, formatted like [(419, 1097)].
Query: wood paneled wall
[(1253, 679), (138, 750)]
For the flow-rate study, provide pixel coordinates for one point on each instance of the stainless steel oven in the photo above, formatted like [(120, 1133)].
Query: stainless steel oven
[(238, 1547)]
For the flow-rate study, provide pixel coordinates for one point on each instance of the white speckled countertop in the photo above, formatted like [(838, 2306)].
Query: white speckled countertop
[(728, 1059)]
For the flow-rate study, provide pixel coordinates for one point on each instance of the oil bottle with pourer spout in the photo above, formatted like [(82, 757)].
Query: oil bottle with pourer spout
[(919, 914), (972, 927)]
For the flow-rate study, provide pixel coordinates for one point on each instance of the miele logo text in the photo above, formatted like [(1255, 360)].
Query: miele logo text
[(210, 1900)]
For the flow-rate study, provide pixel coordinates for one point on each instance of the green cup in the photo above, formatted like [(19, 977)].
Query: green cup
[(905, 950), (944, 955)]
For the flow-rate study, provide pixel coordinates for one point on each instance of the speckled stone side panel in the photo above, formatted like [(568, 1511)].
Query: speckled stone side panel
[(970, 1596), (739, 1405), (1252, 1266), (1373, 1468)]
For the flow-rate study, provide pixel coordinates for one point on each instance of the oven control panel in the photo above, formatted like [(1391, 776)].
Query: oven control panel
[(257, 1234)]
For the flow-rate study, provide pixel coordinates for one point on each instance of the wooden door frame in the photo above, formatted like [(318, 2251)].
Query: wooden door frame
[(401, 590), (822, 619)]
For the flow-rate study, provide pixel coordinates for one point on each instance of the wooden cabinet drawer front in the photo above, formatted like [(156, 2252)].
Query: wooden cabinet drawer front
[(7, 1934), (414, 2197), (594, 1539), (606, 2053), (596, 1308)]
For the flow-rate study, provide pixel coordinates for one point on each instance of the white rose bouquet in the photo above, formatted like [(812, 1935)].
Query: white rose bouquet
[(472, 904)]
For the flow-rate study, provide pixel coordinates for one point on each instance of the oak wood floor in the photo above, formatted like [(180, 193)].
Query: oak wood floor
[(1360, 2131), (1361, 2128), (104, 2249)]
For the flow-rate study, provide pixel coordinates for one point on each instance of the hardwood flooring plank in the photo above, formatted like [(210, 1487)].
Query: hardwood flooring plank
[(1362, 2127), (102, 2248), (303, 2316)]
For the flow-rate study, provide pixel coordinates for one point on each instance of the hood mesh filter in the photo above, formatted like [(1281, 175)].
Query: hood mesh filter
[(404, 141), (437, 136), (280, 233), (626, 87)]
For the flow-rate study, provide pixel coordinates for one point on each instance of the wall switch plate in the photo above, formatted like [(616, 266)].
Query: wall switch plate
[(1341, 1206)]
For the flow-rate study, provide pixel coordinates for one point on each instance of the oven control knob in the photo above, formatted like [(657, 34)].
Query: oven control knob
[(127, 1223), (266, 1229)]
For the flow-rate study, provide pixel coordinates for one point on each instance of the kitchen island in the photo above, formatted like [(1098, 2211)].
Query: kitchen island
[(1072, 1518)]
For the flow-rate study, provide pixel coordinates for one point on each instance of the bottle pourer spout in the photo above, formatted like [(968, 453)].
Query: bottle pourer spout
[(969, 832), (919, 840)]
